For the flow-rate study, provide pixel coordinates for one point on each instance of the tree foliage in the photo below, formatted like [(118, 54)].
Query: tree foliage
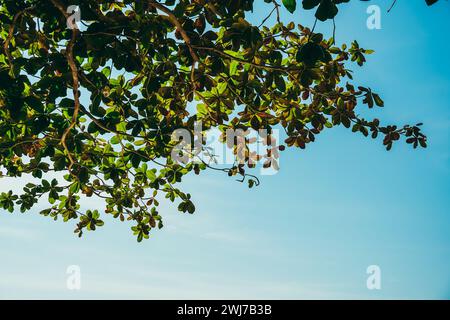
[(99, 104)]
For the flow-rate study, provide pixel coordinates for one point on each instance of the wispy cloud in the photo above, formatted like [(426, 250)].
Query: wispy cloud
[(17, 233)]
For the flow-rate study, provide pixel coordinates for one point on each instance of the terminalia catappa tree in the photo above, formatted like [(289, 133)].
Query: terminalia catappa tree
[(96, 106)]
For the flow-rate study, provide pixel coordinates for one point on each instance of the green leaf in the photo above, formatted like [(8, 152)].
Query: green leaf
[(378, 101), (135, 160), (327, 10), (115, 140), (290, 5), (151, 175), (310, 4), (74, 187), (310, 53)]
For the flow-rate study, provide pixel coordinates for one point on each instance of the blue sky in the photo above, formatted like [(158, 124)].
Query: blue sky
[(308, 232)]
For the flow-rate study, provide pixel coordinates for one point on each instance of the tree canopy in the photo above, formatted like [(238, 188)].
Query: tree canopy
[(97, 105)]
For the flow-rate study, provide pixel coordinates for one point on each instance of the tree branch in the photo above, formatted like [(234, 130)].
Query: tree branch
[(75, 86), (12, 27), (173, 19)]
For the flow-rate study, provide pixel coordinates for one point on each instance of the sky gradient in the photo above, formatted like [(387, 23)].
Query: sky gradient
[(308, 232)]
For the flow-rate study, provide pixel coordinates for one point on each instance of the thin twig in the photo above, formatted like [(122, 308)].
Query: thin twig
[(392, 5)]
